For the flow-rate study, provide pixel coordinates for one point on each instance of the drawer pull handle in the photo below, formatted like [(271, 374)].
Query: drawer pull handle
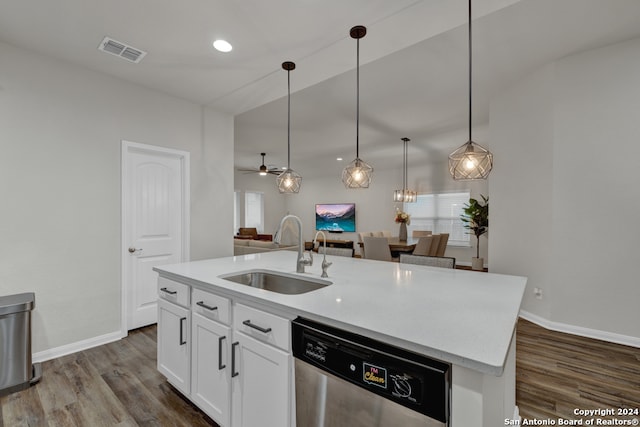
[(220, 365), (208, 307), (256, 327), (168, 291), (182, 340), (233, 360)]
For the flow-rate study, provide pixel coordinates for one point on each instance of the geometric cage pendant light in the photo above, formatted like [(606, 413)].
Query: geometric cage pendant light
[(405, 195), (471, 161), (289, 181), (358, 173)]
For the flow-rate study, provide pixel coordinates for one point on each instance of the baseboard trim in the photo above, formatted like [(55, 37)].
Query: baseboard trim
[(52, 353), (580, 331)]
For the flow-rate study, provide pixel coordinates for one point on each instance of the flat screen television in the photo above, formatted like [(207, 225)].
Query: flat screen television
[(336, 217)]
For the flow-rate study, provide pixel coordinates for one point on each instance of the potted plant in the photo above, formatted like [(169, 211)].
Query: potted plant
[(476, 220)]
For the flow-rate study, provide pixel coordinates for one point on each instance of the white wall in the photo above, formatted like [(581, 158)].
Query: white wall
[(521, 185), (61, 129), (564, 212)]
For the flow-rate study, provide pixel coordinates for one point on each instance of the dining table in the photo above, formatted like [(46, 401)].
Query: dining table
[(397, 246)]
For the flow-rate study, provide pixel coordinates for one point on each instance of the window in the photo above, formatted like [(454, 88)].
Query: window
[(254, 210), (440, 213)]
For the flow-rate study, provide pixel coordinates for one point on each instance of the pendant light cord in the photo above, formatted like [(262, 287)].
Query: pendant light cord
[(470, 71), (288, 119), (358, 98), (404, 182)]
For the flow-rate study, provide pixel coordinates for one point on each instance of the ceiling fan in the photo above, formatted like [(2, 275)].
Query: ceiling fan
[(263, 169)]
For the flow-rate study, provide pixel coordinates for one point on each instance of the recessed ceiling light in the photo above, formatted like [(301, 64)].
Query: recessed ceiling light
[(222, 45), (339, 159)]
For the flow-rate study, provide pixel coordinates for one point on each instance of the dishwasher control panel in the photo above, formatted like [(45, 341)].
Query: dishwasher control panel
[(412, 380)]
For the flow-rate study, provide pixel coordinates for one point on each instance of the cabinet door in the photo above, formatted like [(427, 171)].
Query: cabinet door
[(210, 368), (174, 344), (260, 383)]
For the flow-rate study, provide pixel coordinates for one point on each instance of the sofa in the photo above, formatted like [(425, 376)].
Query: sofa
[(247, 246), (252, 233)]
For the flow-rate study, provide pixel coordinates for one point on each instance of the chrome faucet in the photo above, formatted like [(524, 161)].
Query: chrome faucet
[(301, 261), (325, 263)]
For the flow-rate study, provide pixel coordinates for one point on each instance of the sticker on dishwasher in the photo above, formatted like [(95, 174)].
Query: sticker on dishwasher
[(375, 375)]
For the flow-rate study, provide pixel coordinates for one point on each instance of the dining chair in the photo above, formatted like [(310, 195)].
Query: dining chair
[(361, 237), (348, 252), (442, 244), (423, 246), (386, 233), (433, 250), (377, 248), (421, 233), (432, 261)]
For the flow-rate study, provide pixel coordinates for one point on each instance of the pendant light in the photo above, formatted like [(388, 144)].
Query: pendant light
[(289, 181), (471, 161), (358, 173), (405, 195)]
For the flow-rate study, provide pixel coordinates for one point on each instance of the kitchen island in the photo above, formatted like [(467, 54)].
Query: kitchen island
[(459, 317)]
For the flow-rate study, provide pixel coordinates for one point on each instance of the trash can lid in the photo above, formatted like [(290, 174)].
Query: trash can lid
[(17, 303)]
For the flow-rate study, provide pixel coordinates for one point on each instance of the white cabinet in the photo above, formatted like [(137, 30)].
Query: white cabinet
[(261, 368), (174, 347), (261, 392), (232, 360), (210, 379)]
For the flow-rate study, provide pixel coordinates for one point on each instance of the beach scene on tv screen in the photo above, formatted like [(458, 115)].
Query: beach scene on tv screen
[(336, 217)]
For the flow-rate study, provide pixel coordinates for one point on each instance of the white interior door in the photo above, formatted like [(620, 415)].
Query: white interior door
[(155, 219)]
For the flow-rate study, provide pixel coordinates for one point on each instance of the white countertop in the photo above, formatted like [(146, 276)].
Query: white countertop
[(463, 317)]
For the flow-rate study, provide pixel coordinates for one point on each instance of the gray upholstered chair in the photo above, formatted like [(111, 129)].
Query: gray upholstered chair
[(348, 252), (377, 248), (432, 261)]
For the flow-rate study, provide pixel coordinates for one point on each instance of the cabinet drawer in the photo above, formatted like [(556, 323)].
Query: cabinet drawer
[(262, 326), (177, 293), (211, 306)]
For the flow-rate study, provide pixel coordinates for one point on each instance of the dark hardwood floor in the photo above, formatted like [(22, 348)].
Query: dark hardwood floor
[(117, 384), (557, 373)]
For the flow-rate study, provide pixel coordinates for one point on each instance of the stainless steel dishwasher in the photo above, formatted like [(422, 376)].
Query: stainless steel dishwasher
[(344, 379)]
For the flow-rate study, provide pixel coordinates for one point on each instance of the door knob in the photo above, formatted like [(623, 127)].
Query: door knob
[(133, 250)]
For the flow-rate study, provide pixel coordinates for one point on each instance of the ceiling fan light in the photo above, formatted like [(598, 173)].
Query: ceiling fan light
[(289, 181), (357, 174), (471, 161)]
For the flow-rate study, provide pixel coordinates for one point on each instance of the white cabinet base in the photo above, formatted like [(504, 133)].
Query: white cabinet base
[(210, 366), (174, 344), (260, 390)]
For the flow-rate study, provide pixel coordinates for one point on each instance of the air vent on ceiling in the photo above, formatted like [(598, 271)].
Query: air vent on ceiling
[(122, 50)]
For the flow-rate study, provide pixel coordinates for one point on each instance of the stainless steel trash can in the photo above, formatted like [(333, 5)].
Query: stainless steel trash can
[(16, 370)]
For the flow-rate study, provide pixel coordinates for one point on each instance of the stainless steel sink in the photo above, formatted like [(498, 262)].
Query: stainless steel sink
[(272, 281)]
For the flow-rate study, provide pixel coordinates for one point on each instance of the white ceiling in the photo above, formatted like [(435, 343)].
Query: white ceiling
[(413, 61), (421, 91)]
